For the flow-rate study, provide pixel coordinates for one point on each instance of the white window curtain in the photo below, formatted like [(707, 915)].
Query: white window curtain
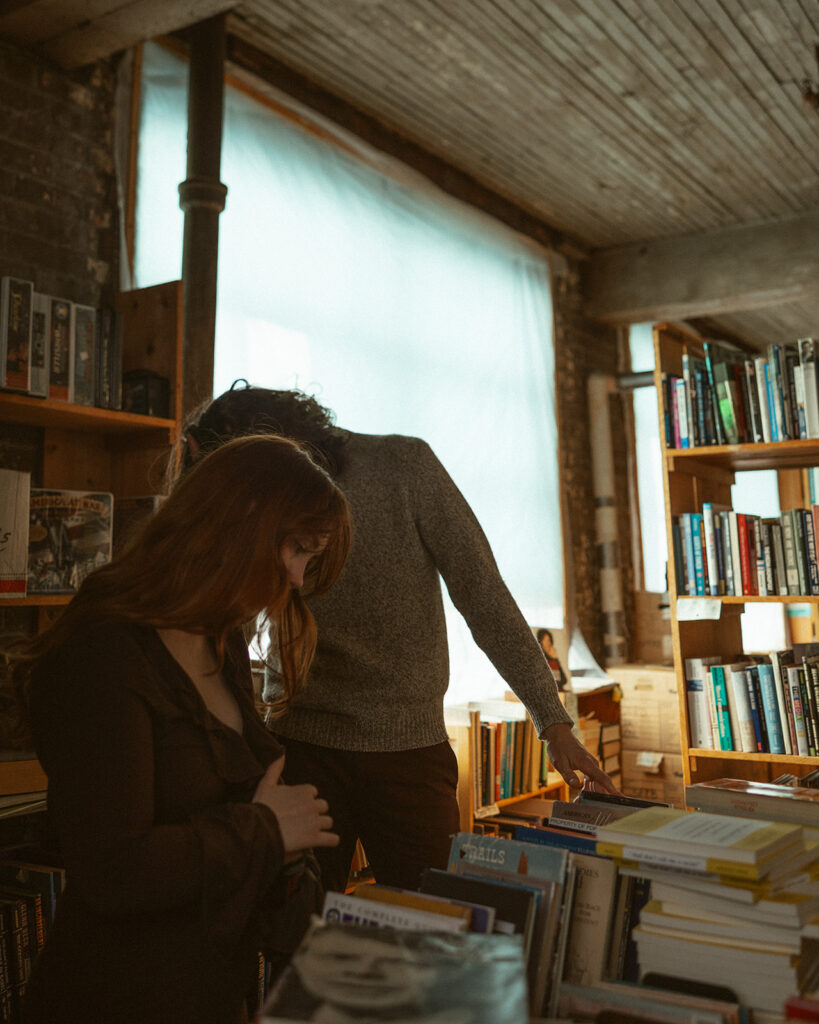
[(345, 275)]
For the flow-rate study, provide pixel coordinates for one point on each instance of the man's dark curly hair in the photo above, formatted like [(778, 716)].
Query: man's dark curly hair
[(245, 409)]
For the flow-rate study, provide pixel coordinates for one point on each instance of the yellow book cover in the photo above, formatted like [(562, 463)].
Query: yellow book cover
[(712, 842), (405, 898)]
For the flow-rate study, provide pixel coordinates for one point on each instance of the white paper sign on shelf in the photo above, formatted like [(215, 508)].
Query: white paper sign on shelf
[(690, 609)]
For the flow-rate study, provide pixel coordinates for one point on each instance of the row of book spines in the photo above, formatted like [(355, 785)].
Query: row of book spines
[(755, 707), (22, 936), (512, 760), (720, 552), (58, 349), (725, 398)]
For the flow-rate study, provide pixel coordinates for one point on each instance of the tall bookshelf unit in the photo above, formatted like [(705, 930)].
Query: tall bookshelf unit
[(690, 477), (86, 448)]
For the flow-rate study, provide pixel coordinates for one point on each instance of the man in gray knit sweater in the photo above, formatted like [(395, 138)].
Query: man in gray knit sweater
[(368, 728)]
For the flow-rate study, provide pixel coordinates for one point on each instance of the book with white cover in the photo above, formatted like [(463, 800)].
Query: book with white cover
[(15, 488), (697, 841), (354, 910)]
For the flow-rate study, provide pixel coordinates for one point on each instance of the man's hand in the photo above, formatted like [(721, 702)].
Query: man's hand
[(568, 755), (300, 811)]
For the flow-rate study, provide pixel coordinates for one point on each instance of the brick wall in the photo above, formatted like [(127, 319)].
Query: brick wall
[(58, 214), (584, 347)]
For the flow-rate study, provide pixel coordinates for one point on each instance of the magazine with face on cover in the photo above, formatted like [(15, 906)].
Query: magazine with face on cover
[(342, 973)]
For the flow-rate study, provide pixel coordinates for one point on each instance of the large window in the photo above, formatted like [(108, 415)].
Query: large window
[(343, 274)]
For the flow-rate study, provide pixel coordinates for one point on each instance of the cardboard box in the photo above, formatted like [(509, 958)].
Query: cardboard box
[(649, 707), (653, 775)]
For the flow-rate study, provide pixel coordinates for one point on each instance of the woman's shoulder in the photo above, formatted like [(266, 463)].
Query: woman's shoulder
[(94, 654)]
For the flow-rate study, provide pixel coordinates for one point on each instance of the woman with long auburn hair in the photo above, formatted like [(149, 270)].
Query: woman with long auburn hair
[(180, 841)]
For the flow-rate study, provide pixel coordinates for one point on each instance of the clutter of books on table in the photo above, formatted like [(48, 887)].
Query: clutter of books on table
[(603, 905)]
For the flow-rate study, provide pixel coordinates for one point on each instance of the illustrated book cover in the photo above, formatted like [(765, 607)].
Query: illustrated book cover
[(69, 537)]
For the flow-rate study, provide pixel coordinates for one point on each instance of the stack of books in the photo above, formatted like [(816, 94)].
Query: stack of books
[(732, 900)]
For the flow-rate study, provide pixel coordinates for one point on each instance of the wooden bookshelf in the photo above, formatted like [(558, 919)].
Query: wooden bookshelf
[(690, 477), (85, 448)]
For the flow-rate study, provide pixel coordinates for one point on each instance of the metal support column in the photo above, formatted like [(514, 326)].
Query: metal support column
[(202, 197)]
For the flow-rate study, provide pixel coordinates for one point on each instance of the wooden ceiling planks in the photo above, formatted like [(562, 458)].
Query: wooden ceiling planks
[(617, 121), (614, 120)]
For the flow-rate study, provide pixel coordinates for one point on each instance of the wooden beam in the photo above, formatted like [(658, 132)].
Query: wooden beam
[(738, 268), (251, 65), (76, 32)]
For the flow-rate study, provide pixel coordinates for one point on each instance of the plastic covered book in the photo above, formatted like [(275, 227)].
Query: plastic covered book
[(344, 973), (69, 537)]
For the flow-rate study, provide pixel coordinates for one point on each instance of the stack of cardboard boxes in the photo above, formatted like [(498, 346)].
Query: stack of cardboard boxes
[(650, 731), (603, 740)]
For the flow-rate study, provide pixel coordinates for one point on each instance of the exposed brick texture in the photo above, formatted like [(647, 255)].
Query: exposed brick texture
[(584, 347), (58, 212)]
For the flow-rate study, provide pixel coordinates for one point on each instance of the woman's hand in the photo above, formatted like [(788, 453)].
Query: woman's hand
[(300, 812)]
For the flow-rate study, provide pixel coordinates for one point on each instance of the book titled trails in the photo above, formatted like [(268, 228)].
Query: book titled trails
[(541, 870), (354, 973), (14, 499), (69, 537), (698, 842)]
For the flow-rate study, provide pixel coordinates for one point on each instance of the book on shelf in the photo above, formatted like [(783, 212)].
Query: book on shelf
[(698, 842), (69, 537), (798, 805), (40, 345), (16, 302), (61, 352), (15, 487), (344, 971), (84, 344), (108, 359)]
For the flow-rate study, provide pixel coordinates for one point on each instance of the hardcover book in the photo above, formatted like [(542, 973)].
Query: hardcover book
[(16, 299), (108, 359), (40, 342), (61, 357), (69, 537), (85, 335)]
